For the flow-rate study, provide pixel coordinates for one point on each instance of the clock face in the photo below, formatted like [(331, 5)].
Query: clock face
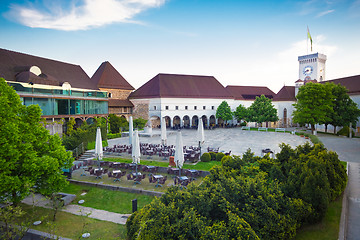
[(308, 70)]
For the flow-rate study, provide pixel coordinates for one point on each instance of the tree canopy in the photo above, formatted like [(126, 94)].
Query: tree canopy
[(224, 111), (314, 104), (345, 109), (247, 197), (262, 110), (241, 113), (30, 158)]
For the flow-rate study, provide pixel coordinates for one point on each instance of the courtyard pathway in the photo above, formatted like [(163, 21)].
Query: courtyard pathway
[(348, 151)]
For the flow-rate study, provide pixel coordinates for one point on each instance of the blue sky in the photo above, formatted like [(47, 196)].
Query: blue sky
[(238, 42)]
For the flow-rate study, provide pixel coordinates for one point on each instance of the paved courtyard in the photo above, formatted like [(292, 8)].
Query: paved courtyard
[(226, 139)]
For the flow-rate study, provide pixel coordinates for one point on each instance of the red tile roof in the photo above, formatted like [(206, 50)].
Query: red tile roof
[(249, 92), (106, 76), (120, 103), (286, 93), (182, 86), (15, 66), (351, 83)]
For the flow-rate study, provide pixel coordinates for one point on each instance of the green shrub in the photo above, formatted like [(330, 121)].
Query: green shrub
[(345, 132), (212, 156), (315, 140), (114, 135), (219, 156), (205, 157), (91, 145), (243, 124)]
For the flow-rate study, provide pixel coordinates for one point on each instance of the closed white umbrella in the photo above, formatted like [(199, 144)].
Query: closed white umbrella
[(131, 127), (179, 152), (136, 149), (98, 146), (200, 132), (163, 131)]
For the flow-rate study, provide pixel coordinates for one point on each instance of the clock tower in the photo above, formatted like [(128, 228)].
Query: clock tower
[(312, 67)]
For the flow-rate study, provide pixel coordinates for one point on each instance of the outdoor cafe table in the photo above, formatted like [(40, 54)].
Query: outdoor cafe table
[(116, 165), (136, 174), (193, 173), (175, 170), (151, 168), (116, 174), (158, 178), (98, 169)]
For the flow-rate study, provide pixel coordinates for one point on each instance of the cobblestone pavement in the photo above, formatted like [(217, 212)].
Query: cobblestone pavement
[(348, 151), (228, 139)]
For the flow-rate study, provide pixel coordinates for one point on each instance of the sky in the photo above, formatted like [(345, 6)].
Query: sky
[(247, 43)]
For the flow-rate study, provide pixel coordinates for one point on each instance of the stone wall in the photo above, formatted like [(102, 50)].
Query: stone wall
[(117, 93), (141, 109)]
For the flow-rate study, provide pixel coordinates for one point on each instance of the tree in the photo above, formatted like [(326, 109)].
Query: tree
[(262, 110), (314, 105), (139, 123), (345, 109), (30, 158), (224, 111), (241, 113)]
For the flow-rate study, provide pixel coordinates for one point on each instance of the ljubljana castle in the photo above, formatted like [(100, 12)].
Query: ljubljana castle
[(64, 90)]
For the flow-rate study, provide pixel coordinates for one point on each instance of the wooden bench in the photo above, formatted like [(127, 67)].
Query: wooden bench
[(279, 129), (262, 129)]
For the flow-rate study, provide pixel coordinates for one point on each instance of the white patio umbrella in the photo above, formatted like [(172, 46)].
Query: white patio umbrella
[(131, 127), (179, 152), (200, 134), (163, 131), (136, 149), (98, 146)]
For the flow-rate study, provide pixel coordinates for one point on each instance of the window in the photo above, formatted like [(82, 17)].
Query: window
[(166, 107), (154, 107), (195, 107), (212, 107), (109, 95), (177, 107), (186, 107), (204, 107)]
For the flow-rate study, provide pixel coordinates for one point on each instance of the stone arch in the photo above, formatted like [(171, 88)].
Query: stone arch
[(186, 121), (168, 121), (285, 117), (194, 121), (205, 122), (212, 121), (155, 121), (78, 122), (220, 122), (176, 122)]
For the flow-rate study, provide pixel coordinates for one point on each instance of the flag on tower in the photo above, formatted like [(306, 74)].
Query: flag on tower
[(309, 37)]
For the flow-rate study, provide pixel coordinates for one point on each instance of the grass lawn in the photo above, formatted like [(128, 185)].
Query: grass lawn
[(112, 201), (73, 226), (328, 228), (204, 166)]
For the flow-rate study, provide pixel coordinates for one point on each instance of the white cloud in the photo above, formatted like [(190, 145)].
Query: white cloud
[(325, 12), (88, 14)]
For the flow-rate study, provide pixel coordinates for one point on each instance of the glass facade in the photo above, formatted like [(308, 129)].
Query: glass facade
[(60, 106)]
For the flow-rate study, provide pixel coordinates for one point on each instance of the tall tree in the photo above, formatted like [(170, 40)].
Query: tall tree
[(30, 158), (345, 109), (314, 105), (262, 110), (240, 113), (224, 111)]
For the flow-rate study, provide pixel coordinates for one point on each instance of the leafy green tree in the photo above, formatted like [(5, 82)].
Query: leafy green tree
[(224, 112), (262, 110), (241, 113), (314, 105), (70, 126), (115, 123), (140, 123), (30, 158), (345, 109)]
